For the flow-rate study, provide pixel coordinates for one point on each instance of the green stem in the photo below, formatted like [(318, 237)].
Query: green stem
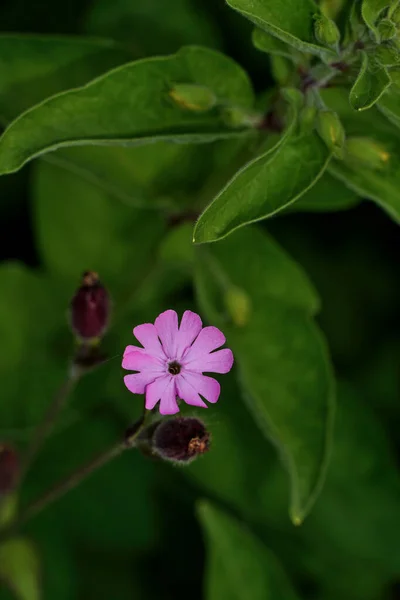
[(75, 478)]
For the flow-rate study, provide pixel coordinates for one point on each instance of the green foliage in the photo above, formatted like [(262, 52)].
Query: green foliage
[(277, 344), (90, 115), (239, 565), (139, 165)]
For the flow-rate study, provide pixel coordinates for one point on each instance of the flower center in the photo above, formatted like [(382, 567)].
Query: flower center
[(174, 368)]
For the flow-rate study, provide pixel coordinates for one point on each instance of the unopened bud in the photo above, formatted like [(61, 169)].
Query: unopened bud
[(239, 117), (366, 152), (331, 131), (90, 308), (193, 97), (307, 118), (331, 8), (9, 469), (326, 31), (238, 305), (181, 440), (387, 30)]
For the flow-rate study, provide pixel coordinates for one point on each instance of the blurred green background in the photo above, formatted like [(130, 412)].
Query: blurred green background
[(132, 531)]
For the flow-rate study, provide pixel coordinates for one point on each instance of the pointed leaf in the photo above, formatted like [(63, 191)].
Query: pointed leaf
[(129, 106), (370, 10), (266, 185), (282, 360), (19, 568), (35, 67), (292, 21), (238, 564), (371, 83)]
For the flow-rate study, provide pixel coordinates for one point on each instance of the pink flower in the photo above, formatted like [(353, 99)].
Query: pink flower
[(172, 362)]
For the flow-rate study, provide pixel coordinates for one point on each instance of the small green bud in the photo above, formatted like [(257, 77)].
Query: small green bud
[(238, 305), (388, 56), (235, 116), (281, 68), (331, 8), (326, 31), (331, 131), (307, 118), (190, 96), (387, 30), (367, 152)]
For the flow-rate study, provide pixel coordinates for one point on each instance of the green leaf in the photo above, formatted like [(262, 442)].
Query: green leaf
[(371, 83), (130, 106), (370, 10), (265, 42), (88, 229), (238, 564), (389, 105), (262, 188), (30, 317), (131, 23), (292, 21), (35, 67), (19, 568), (281, 357), (380, 184)]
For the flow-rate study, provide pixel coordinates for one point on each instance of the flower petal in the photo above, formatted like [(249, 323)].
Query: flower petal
[(136, 382), (216, 362), (167, 329), (209, 338), (162, 389), (140, 361), (147, 336), (208, 387), (189, 329), (187, 392)]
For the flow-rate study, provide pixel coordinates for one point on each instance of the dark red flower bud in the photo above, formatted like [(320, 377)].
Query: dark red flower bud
[(181, 440), (9, 469), (90, 308)]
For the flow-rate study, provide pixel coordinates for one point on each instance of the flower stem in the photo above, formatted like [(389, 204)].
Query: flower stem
[(49, 420), (73, 480)]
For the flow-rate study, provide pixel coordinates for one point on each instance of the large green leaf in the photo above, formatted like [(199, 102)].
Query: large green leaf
[(88, 229), (33, 68), (370, 84), (19, 568), (291, 21), (370, 10), (131, 23), (380, 184), (238, 564), (389, 105), (281, 357), (262, 187), (129, 106)]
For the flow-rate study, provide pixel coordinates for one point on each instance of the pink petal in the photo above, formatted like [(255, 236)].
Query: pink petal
[(216, 362), (140, 361), (129, 349), (162, 389), (209, 338), (147, 336), (208, 387), (187, 392), (136, 382), (189, 329), (167, 329)]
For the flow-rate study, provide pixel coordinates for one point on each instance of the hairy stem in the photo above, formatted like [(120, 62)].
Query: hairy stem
[(73, 480)]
